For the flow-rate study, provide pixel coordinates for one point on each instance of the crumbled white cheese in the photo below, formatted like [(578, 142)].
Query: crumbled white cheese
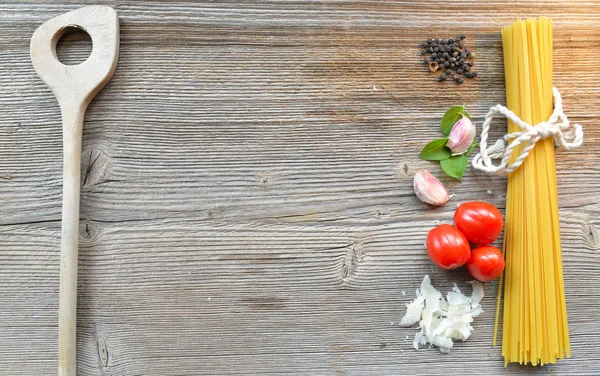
[(441, 321)]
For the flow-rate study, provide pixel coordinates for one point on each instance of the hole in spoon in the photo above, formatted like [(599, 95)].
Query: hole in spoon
[(74, 45)]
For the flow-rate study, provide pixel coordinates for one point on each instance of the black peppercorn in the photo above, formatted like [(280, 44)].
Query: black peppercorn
[(449, 57)]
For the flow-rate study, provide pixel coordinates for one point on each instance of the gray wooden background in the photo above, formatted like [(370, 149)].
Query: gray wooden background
[(247, 204)]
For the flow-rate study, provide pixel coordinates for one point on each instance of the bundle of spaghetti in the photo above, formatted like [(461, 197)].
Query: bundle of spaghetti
[(534, 328)]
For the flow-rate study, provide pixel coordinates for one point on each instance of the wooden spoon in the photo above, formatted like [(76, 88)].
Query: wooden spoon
[(74, 87)]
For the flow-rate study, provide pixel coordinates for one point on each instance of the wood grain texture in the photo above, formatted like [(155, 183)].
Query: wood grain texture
[(246, 203)]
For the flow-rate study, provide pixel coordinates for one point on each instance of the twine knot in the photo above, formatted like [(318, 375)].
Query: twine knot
[(558, 127), (545, 130)]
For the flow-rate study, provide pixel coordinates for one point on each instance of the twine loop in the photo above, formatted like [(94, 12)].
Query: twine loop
[(558, 127)]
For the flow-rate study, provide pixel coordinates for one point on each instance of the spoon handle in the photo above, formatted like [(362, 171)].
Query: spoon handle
[(67, 299)]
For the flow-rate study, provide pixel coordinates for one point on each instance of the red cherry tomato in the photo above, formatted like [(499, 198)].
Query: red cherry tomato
[(486, 263), (479, 221), (447, 247)]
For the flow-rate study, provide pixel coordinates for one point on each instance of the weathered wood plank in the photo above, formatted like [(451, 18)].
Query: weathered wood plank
[(247, 203)]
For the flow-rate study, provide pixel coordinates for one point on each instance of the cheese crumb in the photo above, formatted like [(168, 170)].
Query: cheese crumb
[(442, 321)]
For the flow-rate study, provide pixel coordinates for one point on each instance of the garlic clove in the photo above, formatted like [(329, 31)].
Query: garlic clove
[(429, 189), (461, 136)]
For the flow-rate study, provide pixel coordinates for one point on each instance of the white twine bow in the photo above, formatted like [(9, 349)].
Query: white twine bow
[(558, 127)]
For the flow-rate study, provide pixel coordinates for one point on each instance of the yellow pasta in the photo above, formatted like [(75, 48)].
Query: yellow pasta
[(535, 329)]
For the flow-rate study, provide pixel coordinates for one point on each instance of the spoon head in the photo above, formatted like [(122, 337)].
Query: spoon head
[(78, 84)]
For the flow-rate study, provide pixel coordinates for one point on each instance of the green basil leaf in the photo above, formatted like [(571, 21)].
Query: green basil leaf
[(470, 149), (455, 166), (436, 150), (451, 117)]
